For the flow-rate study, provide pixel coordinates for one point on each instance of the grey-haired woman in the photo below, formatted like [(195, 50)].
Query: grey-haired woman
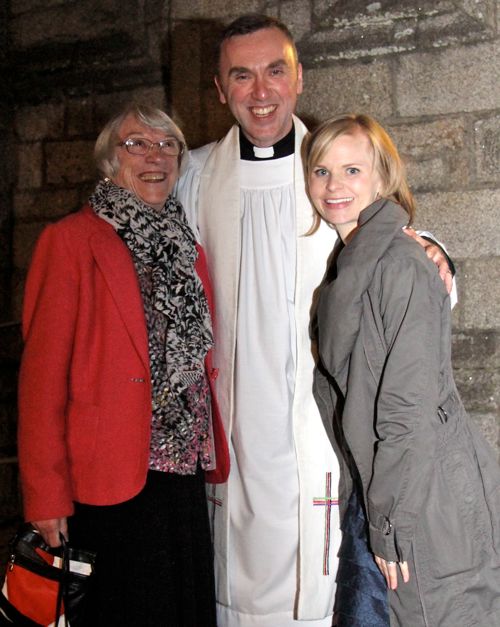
[(118, 424)]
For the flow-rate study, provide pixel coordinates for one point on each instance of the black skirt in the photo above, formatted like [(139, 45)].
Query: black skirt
[(154, 557)]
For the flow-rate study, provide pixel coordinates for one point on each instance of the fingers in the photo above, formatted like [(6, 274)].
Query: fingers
[(414, 235), (405, 571), (49, 530), (390, 571), (448, 280)]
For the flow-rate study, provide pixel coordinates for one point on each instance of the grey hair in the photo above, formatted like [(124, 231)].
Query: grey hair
[(105, 147)]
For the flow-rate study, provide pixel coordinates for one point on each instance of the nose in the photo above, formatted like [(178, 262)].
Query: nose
[(154, 153), (333, 183), (260, 88)]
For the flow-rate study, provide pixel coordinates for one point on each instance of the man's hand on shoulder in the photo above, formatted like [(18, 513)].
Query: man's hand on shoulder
[(435, 254)]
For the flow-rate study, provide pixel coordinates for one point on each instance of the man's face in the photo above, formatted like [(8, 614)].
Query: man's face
[(259, 79)]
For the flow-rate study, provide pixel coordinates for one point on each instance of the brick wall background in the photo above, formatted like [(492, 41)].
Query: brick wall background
[(429, 70)]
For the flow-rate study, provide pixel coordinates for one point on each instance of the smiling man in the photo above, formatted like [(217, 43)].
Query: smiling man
[(276, 521)]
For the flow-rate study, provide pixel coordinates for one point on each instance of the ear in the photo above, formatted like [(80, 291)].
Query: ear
[(299, 79), (220, 91)]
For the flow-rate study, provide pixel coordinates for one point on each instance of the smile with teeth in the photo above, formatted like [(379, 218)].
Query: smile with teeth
[(263, 111), (152, 177), (338, 201)]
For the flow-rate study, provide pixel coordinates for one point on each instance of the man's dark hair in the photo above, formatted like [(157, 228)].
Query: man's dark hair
[(248, 24)]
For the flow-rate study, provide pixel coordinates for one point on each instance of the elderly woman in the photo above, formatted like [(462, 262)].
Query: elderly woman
[(118, 427)]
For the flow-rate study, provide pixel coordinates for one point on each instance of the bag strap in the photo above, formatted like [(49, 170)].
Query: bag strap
[(63, 584)]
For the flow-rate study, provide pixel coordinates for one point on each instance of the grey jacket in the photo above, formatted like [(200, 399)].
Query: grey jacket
[(386, 393)]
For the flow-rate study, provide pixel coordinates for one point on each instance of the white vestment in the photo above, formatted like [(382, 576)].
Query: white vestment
[(275, 522)]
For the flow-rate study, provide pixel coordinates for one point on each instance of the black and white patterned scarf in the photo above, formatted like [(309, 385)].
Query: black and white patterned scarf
[(163, 241)]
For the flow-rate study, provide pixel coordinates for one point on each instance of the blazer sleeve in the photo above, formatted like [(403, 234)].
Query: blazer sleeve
[(411, 301), (49, 319)]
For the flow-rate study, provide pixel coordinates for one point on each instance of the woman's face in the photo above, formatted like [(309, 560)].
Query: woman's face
[(345, 181), (152, 176)]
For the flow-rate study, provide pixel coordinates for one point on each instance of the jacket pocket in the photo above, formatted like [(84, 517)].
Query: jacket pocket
[(454, 522)]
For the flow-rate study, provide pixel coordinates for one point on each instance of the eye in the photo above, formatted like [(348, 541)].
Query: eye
[(168, 143), (136, 143), (352, 170), (320, 172), (277, 71), (241, 77)]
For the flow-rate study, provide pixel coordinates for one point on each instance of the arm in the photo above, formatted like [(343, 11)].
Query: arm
[(406, 421), (49, 319), (436, 252)]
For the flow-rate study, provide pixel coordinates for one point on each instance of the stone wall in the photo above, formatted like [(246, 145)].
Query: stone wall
[(429, 70)]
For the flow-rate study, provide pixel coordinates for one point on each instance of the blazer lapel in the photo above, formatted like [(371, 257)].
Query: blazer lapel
[(115, 262)]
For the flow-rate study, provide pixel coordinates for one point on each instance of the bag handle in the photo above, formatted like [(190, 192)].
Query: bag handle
[(63, 584)]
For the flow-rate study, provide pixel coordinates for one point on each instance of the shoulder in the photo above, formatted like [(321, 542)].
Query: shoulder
[(405, 268), (74, 231)]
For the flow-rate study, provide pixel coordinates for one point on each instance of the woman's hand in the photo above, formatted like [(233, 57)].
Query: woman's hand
[(389, 570), (435, 254), (49, 529)]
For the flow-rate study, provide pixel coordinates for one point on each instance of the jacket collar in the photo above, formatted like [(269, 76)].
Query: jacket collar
[(340, 302)]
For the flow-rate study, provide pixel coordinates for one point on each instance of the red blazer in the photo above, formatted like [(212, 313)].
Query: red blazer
[(85, 389)]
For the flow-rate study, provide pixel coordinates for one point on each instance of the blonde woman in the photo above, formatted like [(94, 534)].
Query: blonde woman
[(420, 488)]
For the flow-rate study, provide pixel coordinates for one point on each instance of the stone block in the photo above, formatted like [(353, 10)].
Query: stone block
[(467, 222), (25, 237), (341, 87), (426, 174), (479, 303), (85, 20), (487, 149), (80, 117), (29, 166), (212, 9), (69, 162), (84, 191), (357, 29), (10, 502), (8, 426), (458, 79), (45, 205), (40, 122), (436, 153), (297, 16), (17, 286), (479, 389), (153, 96), (26, 6), (216, 118), (489, 425), (109, 104), (476, 349), (10, 342), (8, 380)]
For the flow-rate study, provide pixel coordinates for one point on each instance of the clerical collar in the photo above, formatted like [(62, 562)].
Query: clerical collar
[(283, 148)]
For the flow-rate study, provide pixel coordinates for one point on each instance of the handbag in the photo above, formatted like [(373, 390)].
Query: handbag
[(44, 585)]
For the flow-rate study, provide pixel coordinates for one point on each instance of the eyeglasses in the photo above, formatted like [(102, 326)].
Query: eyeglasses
[(141, 146)]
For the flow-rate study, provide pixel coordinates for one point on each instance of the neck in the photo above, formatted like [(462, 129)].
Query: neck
[(346, 231)]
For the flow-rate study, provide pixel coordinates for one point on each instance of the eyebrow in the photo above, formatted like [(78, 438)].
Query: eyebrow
[(244, 70)]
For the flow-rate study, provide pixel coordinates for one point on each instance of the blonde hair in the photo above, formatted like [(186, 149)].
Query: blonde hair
[(388, 163), (106, 143)]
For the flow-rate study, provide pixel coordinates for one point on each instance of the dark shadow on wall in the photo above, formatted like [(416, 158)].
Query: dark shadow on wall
[(188, 73)]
